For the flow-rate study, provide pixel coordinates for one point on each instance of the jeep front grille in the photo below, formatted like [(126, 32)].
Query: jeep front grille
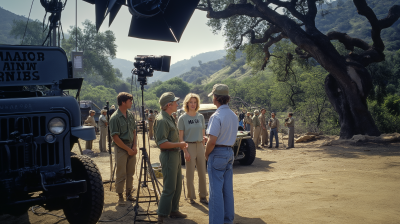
[(26, 155)]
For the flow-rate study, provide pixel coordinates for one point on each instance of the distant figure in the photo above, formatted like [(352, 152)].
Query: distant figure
[(152, 118), (289, 122), (242, 115), (264, 130), (103, 124), (112, 110), (273, 123), (146, 114), (90, 122), (256, 127), (248, 124)]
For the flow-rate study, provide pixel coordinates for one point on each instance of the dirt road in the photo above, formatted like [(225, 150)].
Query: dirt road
[(307, 184)]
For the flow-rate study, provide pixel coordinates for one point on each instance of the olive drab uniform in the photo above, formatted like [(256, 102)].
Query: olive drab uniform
[(166, 131), (256, 127), (124, 127), (103, 133), (152, 117), (264, 130), (249, 125), (290, 124), (90, 122)]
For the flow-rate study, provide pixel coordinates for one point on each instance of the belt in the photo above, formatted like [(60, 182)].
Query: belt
[(169, 150), (223, 146), (193, 142)]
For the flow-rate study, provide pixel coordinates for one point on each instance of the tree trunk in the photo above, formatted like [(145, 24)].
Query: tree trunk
[(352, 108)]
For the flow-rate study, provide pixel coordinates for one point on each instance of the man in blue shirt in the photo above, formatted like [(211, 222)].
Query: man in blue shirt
[(222, 131)]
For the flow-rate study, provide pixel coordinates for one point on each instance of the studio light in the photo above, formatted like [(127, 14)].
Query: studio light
[(163, 20)]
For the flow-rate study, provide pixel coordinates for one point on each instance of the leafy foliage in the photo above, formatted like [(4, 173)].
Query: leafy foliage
[(97, 48), (34, 32)]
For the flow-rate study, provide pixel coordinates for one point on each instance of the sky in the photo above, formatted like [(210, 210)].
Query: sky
[(196, 39)]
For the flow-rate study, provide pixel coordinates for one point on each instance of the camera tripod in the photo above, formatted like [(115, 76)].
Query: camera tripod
[(146, 173)]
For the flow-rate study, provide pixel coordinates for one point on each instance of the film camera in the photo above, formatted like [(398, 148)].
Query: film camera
[(145, 65)]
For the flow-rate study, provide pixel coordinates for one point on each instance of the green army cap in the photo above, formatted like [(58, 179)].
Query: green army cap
[(166, 98), (256, 112), (220, 89)]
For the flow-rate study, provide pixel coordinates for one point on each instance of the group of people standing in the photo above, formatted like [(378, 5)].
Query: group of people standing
[(199, 144), (258, 127)]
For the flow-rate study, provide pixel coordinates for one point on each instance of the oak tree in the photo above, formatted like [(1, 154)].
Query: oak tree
[(269, 21)]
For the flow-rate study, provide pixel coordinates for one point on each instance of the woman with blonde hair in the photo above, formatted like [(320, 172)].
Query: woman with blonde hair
[(191, 126)]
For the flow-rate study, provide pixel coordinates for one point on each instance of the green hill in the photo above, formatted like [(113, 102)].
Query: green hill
[(343, 17), (6, 18)]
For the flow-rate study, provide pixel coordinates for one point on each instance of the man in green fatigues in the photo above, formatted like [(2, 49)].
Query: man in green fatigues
[(289, 122), (256, 126), (167, 139), (123, 132), (263, 129)]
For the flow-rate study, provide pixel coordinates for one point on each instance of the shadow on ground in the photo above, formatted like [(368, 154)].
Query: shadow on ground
[(361, 149)]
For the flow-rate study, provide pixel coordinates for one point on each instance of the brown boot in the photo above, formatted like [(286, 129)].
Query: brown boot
[(204, 200), (129, 195), (160, 219), (121, 201), (177, 214)]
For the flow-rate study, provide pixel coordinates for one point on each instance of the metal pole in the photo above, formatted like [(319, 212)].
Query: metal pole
[(76, 25), (109, 142), (54, 40)]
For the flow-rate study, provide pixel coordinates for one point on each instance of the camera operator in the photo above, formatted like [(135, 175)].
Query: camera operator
[(167, 139)]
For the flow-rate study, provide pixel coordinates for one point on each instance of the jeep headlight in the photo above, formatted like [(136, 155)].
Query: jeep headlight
[(56, 125)]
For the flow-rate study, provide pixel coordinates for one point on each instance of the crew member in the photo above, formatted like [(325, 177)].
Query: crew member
[(273, 123), (167, 139), (90, 122), (256, 127), (222, 130), (123, 132), (192, 127), (103, 124), (289, 122), (248, 124), (264, 130), (152, 117)]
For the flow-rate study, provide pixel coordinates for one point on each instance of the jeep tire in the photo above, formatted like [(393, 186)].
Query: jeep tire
[(249, 149), (88, 207)]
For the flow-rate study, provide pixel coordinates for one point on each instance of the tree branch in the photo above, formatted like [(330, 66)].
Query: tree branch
[(377, 25), (235, 9), (271, 41), (289, 6), (302, 54), (250, 30), (348, 41)]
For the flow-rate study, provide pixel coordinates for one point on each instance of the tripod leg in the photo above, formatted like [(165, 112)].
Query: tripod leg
[(138, 190), (112, 176)]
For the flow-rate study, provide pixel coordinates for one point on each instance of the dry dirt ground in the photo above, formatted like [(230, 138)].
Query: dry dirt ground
[(341, 183)]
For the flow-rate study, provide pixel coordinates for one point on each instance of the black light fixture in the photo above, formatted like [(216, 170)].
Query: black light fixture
[(151, 19)]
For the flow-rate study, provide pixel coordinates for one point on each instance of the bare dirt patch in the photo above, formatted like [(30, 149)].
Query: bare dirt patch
[(340, 183)]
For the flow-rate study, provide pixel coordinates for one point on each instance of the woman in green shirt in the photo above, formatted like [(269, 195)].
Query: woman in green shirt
[(191, 126)]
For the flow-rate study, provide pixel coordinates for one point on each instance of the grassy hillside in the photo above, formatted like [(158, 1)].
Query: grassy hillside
[(6, 21), (343, 17)]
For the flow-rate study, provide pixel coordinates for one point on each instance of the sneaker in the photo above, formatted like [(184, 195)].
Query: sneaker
[(121, 202), (204, 200), (177, 214)]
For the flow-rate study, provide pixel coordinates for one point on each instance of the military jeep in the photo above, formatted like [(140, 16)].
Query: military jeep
[(39, 124), (244, 148)]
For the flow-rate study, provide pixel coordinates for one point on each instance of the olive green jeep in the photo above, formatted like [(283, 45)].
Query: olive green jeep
[(244, 148)]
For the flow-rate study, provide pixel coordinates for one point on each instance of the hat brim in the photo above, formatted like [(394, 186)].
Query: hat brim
[(209, 95), (176, 99)]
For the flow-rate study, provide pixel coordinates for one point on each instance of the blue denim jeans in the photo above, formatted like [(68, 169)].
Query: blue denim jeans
[(273, 133), (220, 175)]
